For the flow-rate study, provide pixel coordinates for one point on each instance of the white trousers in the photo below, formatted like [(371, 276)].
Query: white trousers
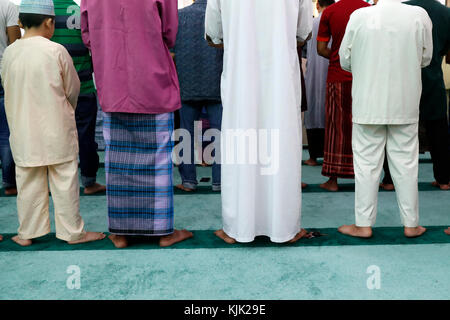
[(401, 143), (33, 201)]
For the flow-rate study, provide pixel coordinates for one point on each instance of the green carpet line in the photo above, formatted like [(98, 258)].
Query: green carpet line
[(102, 164), (320, 162), (423, 160), (2, 194), (205, 239), (312, 188)]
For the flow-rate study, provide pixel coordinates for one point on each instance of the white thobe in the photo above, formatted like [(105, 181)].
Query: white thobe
[(261, 95), (385, 47), (316, 82)]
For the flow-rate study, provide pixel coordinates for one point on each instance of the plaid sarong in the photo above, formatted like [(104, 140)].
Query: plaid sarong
[(138, 167), (338, 153)]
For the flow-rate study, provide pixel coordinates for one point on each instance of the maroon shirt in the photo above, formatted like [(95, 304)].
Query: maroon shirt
[(332, 26)]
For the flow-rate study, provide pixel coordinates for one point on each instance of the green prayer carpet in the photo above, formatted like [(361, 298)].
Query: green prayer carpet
[(205, 239), (333, 266)]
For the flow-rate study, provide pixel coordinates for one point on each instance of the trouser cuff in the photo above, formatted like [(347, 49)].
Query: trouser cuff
[(73, 237), (88, 181), (7, 185), (190, 185)]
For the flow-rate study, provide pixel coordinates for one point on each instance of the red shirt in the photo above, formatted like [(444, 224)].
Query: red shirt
[(332, 27)]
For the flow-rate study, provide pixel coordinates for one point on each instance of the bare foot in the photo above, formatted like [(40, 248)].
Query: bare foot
[(175, 237), (441, 186), (304, 185), (303, 233), (354, 231), (414, 232), (11, 192), (119, 242), (387, 186), (89, 237), (1, 237), (204, 164), (183, 188), (96, 188), (222, 235), (311, 162), (330, 185), (20, 242), (447, 231)]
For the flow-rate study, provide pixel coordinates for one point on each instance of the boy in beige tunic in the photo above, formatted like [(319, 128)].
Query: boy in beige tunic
[(41, 92)]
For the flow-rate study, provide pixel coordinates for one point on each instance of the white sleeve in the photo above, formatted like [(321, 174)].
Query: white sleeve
[(213, 22), (12, 15), (427, 33), (305, 20), (345, 51)]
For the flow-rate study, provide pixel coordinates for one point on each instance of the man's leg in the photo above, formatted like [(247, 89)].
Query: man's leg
[(330, 131), (403, 156), (8, 169), (369, 143), (86, 118), (447, 231), (387, 183), (65, 188), (437, 133), (8, 166), (338, 154), (315, 145), (215, 119), (32, 204), (189, 113)]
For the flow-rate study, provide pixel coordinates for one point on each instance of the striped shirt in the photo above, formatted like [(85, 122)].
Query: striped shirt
[(68, 34)]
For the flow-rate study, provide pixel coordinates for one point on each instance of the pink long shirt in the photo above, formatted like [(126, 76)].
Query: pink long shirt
[(130, 41)]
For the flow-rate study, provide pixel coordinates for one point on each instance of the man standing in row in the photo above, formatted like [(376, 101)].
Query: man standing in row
[(389, 119), (68, 33), (199, 70), (316, 82), (433, 105), (338, 155), (10, 32), (447, 60), (139, 91), (261, 94)]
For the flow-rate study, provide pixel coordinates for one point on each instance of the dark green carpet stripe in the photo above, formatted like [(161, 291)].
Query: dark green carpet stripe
[(2, 194), (426, 160), (205, 239), (320, 162), (422, 160), (312, 188)]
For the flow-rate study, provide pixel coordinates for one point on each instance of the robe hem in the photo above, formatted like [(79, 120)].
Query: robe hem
[(262, 234)]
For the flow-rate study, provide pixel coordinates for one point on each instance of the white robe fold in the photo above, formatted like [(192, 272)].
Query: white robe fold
[(316, 82)]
